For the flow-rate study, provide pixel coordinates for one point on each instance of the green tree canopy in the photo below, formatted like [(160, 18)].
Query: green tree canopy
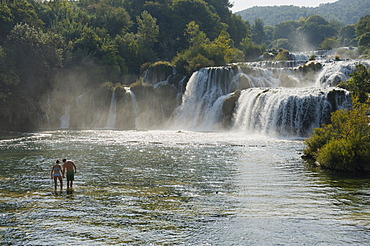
[(258, 31), (359, 83), (363, 25), (314, 31)]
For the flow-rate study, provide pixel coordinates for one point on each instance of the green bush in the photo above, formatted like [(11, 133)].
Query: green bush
[(359, 83), (343, 145), (283, 55), (345, 154)]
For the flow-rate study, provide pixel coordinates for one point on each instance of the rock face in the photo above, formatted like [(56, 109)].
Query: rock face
[(310, 67), (158, 72), (154, 104), (228, 108)]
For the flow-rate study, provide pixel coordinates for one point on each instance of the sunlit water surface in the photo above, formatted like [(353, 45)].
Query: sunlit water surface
[(175, 188)]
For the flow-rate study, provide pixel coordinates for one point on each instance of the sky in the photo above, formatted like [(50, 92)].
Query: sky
[(244, 4)]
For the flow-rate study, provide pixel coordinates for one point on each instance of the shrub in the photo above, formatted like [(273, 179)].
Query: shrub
[(359, 83), (343, 145), (345, 154), (283, 55)]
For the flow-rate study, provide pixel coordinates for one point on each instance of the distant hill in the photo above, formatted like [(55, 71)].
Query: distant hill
[(344, 11)]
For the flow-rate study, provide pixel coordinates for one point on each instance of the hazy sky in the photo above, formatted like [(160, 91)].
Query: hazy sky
[(244, 4)]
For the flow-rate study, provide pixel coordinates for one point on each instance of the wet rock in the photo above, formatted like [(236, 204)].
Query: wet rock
[(287, 81), (228, 108), (244, 83), (311, 66), (158, 72)]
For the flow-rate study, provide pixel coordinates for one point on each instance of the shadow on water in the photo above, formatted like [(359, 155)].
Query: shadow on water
[(67, 193)]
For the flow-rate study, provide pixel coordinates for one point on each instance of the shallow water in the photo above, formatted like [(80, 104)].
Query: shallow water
[(175, 188)]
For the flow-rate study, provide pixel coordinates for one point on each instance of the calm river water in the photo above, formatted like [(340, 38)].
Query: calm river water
[(175, 188)]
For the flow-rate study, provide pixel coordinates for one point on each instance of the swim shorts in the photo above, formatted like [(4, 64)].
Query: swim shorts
[(70, 175)]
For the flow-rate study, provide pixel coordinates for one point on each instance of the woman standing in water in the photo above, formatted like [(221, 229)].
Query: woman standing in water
[(56, 173)]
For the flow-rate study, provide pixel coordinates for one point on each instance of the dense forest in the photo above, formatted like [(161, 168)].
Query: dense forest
[(345, 12), (54, 45)]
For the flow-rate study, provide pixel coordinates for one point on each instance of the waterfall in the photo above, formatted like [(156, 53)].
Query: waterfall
[(66, 118), (287, 111), (336, 71), (79, 100), (302, 56), (204, 88), (134, 104), (211, 85), (282, 101), (112, 116)]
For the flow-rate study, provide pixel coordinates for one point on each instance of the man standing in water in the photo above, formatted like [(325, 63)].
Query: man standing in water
[(71, 170)]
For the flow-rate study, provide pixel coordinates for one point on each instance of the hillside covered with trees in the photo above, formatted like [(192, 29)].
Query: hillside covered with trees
[(343, 11)]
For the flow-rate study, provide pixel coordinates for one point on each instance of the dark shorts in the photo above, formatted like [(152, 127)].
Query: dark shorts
[(70, 175)]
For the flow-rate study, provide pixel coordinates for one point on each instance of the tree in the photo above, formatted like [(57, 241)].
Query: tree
[(364, 41), (258, 32), (359, 83), (281, 43), (328, 44), (129, 49), (202, 52), (347, 35), (363, 34), (148, 29), (88, 44), (114, 19), (199, 11), (221, 50), (194, 35), (9, 78), (15, 12), (33, 50), (343, 145), (250, 49), (314, 30), (286, 30), (363, 25)]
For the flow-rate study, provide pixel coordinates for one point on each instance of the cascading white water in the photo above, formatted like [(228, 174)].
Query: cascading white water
[(204, 88), (268, 109), (336, 71), (287, 111), (66, 117), (79, 100), (263, 77), (209, 87), (112, 116), (134, 103)]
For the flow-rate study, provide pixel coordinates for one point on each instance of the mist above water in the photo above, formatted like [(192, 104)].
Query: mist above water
[(305, 93)]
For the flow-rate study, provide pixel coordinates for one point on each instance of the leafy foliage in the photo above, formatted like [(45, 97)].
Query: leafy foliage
[(350, 12), (202, 52), (345, 143), (359, 83)]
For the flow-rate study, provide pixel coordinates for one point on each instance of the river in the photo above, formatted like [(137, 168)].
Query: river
[(175, 188)]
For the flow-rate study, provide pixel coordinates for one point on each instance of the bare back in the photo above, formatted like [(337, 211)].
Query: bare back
[(69, 165)]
